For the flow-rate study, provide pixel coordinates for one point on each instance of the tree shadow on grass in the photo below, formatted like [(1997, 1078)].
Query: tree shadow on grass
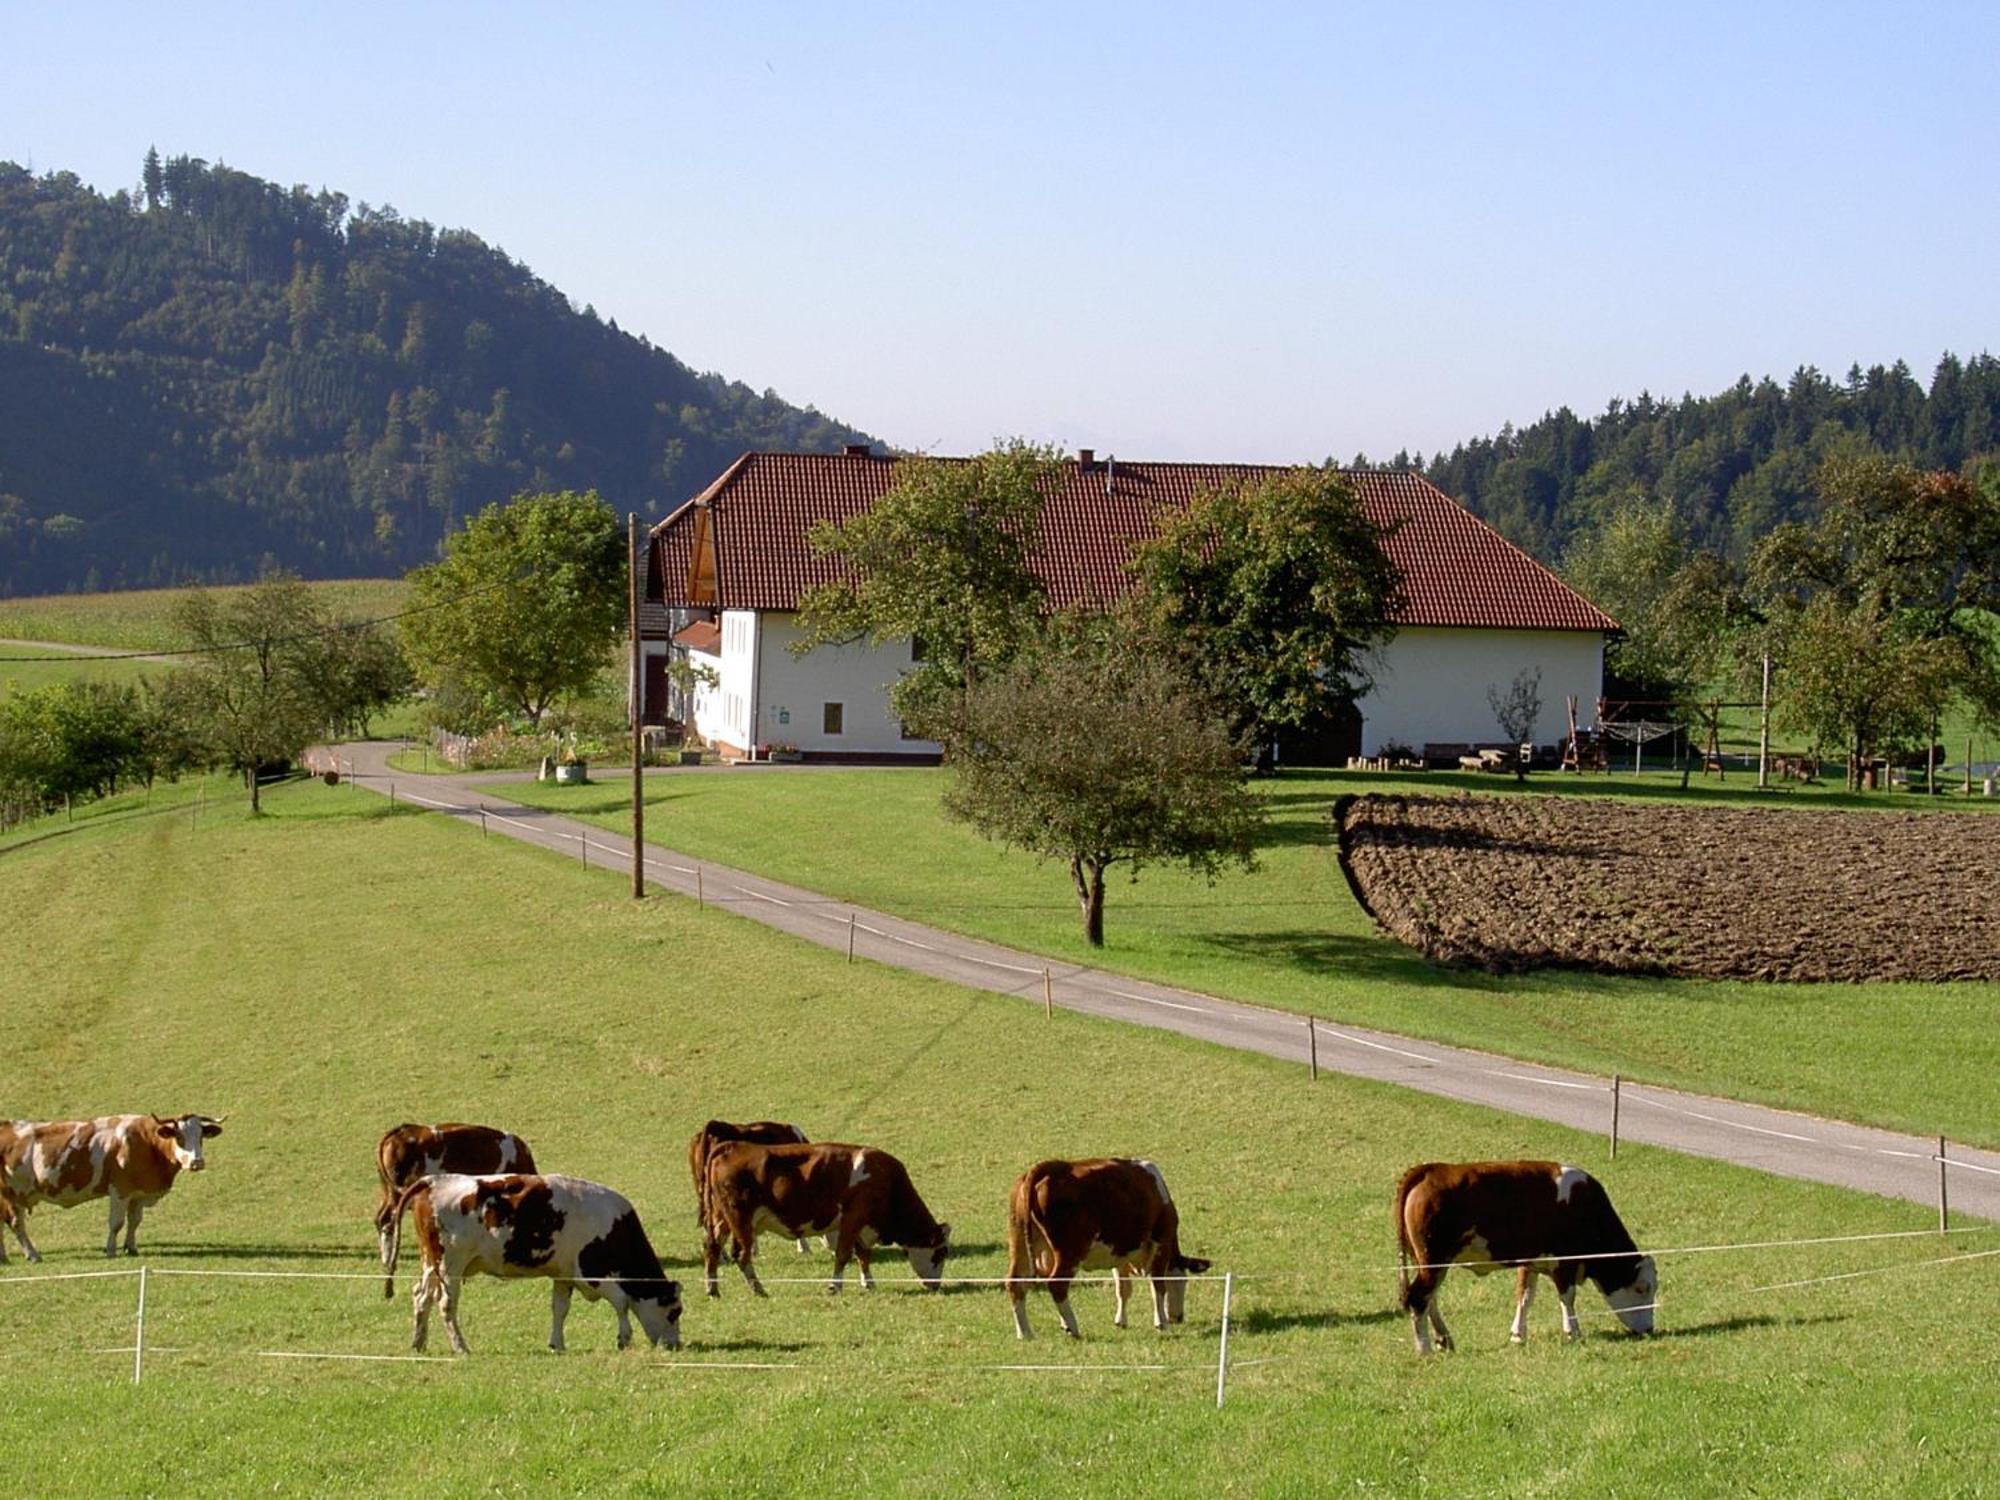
[(742, 1346), (1331, 954)]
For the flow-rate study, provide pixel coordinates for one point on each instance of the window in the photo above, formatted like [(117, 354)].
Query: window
[(831, 717)]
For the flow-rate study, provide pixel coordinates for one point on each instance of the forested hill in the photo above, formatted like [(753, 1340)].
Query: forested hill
[(1733, 465), (217, 371)]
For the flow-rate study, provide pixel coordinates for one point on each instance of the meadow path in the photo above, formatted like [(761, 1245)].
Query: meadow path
[(1751, 1135)]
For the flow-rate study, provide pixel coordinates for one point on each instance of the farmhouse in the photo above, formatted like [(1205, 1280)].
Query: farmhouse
[(731, 565)]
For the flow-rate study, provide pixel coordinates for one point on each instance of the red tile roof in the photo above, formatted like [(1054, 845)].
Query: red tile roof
[(1456, 569), (704, 636)]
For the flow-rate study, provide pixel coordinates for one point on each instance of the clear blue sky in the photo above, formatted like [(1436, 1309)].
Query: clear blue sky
[(1168, 231)]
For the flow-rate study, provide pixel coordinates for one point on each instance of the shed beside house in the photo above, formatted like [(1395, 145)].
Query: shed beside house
[(730, 567)]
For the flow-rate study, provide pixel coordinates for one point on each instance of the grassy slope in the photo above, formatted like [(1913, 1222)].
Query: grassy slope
[(51, 667), (245, 968), (141, 619), (1919, 1057)]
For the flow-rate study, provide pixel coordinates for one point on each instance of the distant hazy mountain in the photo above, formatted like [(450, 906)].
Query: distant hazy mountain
[(221, 371)]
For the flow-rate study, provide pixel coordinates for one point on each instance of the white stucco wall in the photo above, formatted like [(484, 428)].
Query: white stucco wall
[(792, 692), (1430, 684)]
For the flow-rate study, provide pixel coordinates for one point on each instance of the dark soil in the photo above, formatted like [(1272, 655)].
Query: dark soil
[(1508, 883)]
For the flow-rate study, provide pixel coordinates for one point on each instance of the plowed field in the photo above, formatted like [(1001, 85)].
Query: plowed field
[(1507, 883)]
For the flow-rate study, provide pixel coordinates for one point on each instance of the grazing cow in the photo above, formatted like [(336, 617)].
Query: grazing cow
[(577, 1233), (1069, 1215), (412, 1151), (719, 1132), (1538, 1216), (130, 1159), (860, 1197)]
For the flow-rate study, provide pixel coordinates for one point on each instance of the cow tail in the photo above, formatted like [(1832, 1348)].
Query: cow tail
[(403, 1200), (1406, 1253)]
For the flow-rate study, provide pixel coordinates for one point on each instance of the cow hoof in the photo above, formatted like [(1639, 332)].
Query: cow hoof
[(714, 1292)]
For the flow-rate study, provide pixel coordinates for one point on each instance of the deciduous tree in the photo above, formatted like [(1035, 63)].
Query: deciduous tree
[(942, 560), (526, 604), (1091, 749), (1272, 593)]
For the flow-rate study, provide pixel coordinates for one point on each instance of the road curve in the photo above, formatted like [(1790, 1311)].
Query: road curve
[(1750, 1135)]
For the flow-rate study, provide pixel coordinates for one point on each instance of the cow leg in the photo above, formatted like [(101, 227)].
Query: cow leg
[(845, 1239), (1524, 1293), (133, 1213), (801, 1246), (711, 1257), (420, 1306), (451, 1288), (1017, 1295), (863, 1260), (1059, 1280), (746, 1245), (1120, 1284), (559, 1296), (117, 1203), (21, 1233), (1420, 1297), (1162, 1300), (1566, 1289), (624, 1325)]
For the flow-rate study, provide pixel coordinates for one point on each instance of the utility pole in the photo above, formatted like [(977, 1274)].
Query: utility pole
[(637, 696), (1764, 730)]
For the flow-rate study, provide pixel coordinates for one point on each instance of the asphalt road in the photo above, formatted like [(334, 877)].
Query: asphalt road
[(1791, 1145)]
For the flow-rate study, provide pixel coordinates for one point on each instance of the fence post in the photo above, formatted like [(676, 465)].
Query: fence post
[(1312, 1047), (850, 937), (392, 794), (1222, 1354), (583, 846), (1048, 996), (482, 820), (1616, 1091), (699, 899), (1944, 1200), (139, 1338)]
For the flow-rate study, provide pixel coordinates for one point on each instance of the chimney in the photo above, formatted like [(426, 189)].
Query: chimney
[(1085, 457), (857, 450), (1110, 471)]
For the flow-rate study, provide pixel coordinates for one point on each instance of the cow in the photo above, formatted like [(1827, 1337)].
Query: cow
[(718, 1132), (130, 1159), (411, 1151), (1537, 1216), (859, 1197), (1107, 1211), (579, 1234)]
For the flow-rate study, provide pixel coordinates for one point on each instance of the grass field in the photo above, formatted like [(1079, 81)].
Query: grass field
[(55, 666), (1918, 1057), (336, 966), (141, 619)]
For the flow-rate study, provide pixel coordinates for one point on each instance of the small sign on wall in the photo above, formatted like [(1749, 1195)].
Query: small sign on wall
[(784, 716)]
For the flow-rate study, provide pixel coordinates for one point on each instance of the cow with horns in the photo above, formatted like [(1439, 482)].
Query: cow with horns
[(132, 1160), (581, 1235), (409, 1152), (1066, 1216), (1536, 1217)]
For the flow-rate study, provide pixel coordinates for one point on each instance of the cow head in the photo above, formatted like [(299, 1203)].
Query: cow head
[(1637, 1298), (928, 1260), (1184, 1267), (658, 1309), (181, 1138)]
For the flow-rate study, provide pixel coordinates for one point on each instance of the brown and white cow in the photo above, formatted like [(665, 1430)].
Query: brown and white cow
[(720, 1132), (580, 1234), (411, 1151), (130, 1159), (1066, 1216), (857, 1196), (1537, 1216)]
